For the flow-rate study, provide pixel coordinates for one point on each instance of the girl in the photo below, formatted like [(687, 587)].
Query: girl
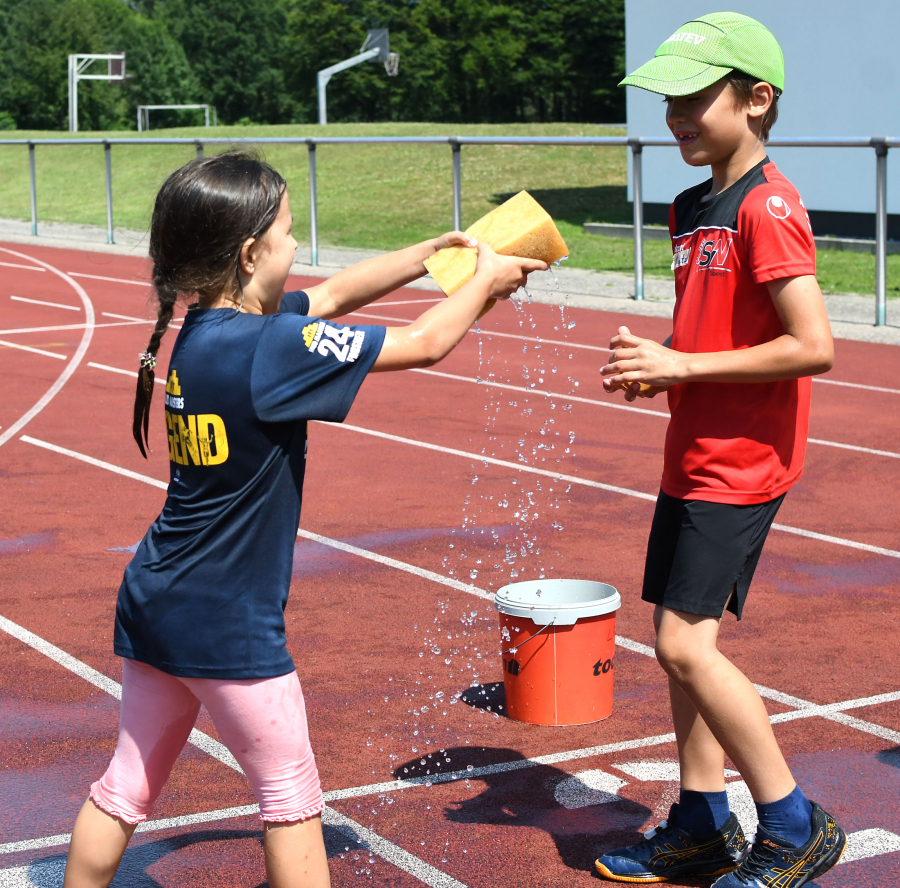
[(200, 613)]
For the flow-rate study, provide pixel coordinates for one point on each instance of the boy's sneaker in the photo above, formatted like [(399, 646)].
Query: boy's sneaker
[(772, 864), (668, 852)]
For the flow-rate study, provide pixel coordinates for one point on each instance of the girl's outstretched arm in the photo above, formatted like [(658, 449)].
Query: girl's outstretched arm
[(367, 281), (436, 333)]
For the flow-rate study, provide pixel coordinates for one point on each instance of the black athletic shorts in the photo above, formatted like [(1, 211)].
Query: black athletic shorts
[(699, 553)]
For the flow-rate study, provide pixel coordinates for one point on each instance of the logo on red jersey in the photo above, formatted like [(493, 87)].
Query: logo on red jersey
[(778, 207), (714, 252), (682, 255)]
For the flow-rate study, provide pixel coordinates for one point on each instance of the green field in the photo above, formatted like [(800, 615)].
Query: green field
[(385, 196)]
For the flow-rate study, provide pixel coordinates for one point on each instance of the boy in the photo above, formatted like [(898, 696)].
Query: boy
[(749, 331)]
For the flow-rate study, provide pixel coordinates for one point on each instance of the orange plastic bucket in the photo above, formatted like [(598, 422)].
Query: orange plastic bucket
[(558, 639)]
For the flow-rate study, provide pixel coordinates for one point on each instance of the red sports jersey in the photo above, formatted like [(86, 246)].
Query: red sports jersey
[(736, 442)]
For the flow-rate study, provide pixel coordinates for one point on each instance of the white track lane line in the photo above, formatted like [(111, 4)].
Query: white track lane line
[(97, 277), (408, 302), (57, 327), (539, 339), (392, 853), (857, 385), (113, 688), (109, 314), (98, 463), (398, 565), (26, 267), (75, 360), (544, 392), (806, 707), (585, 482), (513, 388), (871, 388), (41, 302), (146, 826), (121, 372), (624, 406), (855, 447), (832, 712), (30, 348)]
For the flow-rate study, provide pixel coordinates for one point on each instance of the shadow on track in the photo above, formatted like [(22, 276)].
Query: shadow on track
[(528, 797), (143, 856)]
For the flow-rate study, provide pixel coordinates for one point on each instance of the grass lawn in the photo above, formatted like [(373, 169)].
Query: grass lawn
[(385, 196)]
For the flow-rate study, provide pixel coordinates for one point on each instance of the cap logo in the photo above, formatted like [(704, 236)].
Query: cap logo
[(686, 37), (778, 207)]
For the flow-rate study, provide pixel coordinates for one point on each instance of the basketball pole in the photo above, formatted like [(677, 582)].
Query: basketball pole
[(378, 39)]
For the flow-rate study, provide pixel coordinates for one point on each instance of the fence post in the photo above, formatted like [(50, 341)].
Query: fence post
[(881, 151), (313, 210), (200, 147), (33, 189), (638, 203), (457, 184), (109, 209)]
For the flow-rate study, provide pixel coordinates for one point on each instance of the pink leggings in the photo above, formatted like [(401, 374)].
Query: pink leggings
[(261, 721)]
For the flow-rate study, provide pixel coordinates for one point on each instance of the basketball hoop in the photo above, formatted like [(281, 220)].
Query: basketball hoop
[(392, 64)]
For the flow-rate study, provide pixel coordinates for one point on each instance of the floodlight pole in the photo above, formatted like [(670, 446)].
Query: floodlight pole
[(326, 74)]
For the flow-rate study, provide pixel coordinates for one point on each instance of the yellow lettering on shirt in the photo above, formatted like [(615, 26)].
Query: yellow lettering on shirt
[(215, 448), (308, 332), (196, 440), (170, 432), (188, 435), (173, 387)]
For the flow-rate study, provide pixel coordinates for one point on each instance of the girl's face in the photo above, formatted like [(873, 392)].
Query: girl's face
[(273, 255)]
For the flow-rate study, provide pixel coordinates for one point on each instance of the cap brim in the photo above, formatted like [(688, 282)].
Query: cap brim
[(675, 76)]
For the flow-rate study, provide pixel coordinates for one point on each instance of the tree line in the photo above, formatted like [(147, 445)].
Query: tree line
[(461, 61)]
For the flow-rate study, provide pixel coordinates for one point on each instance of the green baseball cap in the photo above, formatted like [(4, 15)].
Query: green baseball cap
[(706, 49)]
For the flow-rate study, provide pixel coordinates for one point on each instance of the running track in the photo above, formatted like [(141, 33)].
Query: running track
[(424, 502)]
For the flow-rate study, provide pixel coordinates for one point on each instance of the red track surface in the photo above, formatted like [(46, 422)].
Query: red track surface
[(371, 641)]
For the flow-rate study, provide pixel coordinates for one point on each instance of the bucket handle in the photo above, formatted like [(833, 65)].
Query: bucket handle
[(513, 649)]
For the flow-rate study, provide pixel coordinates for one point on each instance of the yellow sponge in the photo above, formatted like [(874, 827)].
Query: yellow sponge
[(519, 227)]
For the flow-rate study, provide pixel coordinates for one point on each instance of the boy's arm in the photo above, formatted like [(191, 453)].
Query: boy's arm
[(804, 349), (367, 281)]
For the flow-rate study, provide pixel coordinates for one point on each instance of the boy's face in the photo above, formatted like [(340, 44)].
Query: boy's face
[(708, 125)]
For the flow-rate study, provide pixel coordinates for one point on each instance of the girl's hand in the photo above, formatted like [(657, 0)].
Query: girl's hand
[(454, 239), (641, 360), (506, 273)]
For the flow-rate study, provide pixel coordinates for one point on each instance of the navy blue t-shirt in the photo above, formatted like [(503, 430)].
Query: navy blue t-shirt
[(204, 596)]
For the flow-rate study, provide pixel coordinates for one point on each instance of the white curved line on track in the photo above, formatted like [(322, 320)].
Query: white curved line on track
[(70, 368)]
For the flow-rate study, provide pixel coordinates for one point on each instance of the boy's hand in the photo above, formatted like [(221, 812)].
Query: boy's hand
[(507, 273), (454, 239), (635, 360)]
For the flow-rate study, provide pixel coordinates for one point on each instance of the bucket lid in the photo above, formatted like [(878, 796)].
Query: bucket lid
[(562, 602)]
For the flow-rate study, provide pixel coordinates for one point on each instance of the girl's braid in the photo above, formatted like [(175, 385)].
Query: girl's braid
[(167, 295)]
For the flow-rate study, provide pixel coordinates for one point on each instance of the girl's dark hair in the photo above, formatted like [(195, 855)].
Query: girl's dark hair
[(203, 214), (743, 84)]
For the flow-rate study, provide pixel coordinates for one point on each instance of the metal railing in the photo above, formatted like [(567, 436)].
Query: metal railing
[(880, 144)]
